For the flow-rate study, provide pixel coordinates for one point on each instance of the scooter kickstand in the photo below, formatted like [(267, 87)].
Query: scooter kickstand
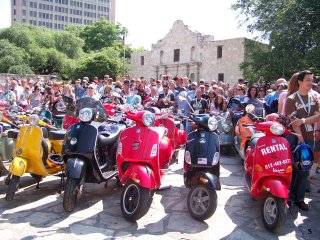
[(164, 188), (61, 188), (38, 185)]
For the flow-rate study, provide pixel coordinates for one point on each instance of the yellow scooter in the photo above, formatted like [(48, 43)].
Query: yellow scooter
[(37, 151)]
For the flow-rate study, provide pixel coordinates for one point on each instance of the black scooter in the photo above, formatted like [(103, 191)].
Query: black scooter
[(89, 150), (202, 166)]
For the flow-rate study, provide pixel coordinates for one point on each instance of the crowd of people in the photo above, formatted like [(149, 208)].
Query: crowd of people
[(300, 94)]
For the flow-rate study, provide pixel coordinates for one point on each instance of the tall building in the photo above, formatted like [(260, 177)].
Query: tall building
[(57, 14)]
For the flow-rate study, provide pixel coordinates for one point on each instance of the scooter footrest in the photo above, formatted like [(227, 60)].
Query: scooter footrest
[(110, 174)]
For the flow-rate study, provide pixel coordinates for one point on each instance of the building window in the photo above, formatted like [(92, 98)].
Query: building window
[(142, 60), (219, 52), (161, 57), (176, 55), (192, 54), (221, 77)]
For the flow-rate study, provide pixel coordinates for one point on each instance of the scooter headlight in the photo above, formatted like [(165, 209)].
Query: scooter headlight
[(34, 120), (212, 123), (85, 114), (187, 157), (148, 119), (277, 129)]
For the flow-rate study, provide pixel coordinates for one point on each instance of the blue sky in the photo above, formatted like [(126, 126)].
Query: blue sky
[(150, 20)]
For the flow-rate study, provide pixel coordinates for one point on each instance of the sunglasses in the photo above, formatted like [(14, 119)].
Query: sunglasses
[(90, 88)]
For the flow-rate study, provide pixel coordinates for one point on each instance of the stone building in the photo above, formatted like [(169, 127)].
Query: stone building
[(184, 52)]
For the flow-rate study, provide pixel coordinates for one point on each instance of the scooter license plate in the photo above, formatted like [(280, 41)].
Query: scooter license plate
[(203, 161)]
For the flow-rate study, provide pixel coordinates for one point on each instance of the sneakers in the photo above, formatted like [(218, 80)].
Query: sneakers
[(302, 205)]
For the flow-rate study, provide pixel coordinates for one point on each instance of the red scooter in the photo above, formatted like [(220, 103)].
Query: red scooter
[(175, 133), (144, 152), (268, 170)]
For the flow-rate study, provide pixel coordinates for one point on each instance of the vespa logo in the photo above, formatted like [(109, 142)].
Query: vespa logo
[(274, 148)]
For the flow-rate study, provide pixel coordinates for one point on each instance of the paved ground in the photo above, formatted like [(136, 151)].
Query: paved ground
[(38, 213)]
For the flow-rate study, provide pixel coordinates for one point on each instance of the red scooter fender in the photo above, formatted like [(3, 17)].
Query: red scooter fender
[(275, 186), (141, 174)]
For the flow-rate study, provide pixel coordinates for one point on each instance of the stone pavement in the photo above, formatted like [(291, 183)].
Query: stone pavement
[(38, 213)]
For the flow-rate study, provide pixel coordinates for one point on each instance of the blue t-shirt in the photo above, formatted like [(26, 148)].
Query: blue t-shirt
[(271, 96)]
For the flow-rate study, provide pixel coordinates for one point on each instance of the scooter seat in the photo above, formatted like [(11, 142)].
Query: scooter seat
[(106, 139), (57, 135), (59, 116), (13, 133), (255, 138)]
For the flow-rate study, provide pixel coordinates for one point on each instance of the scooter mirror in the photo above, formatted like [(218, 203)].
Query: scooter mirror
[(250, 108)]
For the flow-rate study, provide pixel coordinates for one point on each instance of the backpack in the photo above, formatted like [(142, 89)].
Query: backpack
[(302, 157)]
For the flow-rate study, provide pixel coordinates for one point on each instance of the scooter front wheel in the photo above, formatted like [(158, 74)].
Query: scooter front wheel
[(135, 201), (70, 194), (202, 202), (274, 213), (12, 188)]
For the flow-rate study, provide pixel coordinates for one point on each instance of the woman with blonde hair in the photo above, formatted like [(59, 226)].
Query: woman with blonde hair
[(68, 92)]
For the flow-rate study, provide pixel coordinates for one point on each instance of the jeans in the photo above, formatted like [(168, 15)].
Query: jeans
[(298, 185)]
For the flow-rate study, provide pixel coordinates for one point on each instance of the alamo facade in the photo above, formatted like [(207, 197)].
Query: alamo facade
[(184, 52)]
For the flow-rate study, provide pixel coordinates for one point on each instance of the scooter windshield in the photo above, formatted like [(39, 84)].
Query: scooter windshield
[(87, 102)]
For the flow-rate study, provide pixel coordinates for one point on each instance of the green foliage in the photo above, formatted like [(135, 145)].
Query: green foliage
[(292, 28), (11, 55), (105, 62), (29, 49), (101, 34), (20, 69), (69, 44)]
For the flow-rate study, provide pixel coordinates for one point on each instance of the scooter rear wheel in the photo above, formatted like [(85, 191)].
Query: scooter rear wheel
[(135, 201), (70, 194), (274, 213), (202, 202), (13, 186)]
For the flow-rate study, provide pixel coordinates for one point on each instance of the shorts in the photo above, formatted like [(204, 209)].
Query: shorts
[(315, 145)]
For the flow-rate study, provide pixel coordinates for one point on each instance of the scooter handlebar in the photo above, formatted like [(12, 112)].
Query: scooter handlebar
[(248, 125)]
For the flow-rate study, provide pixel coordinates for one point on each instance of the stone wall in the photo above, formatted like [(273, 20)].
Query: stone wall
[(3, 76)]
